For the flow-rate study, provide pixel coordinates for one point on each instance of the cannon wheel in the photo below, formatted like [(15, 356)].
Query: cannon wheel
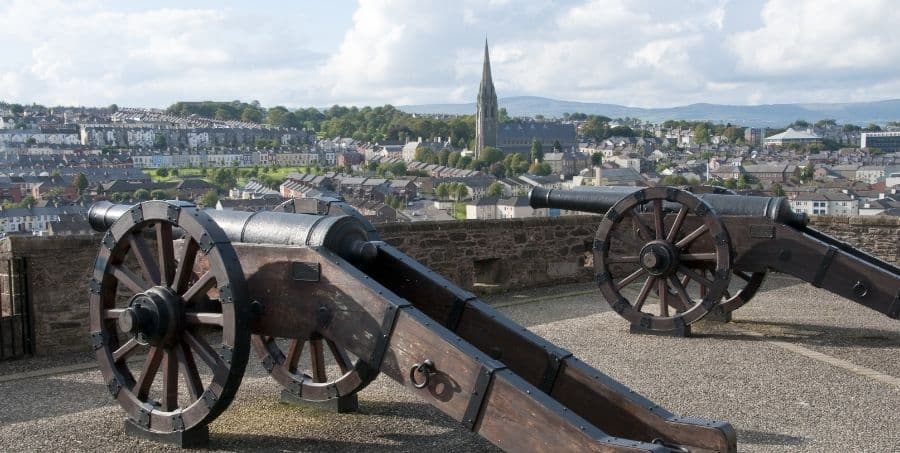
[(663, 256), (153, 318), (734, 297), (314, 384)]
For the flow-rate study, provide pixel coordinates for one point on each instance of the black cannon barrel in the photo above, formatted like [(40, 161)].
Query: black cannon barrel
[(344, 234), (599, 200)]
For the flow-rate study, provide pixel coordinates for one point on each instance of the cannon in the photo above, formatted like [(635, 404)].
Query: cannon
[(664, 257), (179, 296)]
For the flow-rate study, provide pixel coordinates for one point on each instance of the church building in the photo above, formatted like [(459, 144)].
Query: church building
[(514, 136)]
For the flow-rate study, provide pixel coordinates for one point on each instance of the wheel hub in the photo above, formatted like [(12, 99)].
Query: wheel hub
[(659, 258), (153, 317)]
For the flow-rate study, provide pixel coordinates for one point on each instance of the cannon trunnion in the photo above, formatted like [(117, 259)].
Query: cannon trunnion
[(180, 296), (664, 258)]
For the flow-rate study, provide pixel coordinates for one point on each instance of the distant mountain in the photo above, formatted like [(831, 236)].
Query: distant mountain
[(769, 115)]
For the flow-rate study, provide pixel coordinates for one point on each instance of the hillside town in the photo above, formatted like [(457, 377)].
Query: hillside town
[(54, 162)]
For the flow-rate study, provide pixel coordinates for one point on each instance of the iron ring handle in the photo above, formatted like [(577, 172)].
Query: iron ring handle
[(426, 369)]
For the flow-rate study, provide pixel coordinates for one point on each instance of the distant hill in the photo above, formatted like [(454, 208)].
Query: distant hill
[(770, 115)]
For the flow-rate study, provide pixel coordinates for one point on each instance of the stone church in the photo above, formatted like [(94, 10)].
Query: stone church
[(514, 136)]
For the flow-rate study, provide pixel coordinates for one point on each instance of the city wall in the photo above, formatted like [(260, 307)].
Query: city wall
[(491, 255)]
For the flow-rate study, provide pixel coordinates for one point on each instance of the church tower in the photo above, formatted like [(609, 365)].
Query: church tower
[(486, 117)]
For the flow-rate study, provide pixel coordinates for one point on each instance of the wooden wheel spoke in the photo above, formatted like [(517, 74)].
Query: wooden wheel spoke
[(640, 225), (200, 287), (165, 252), (684, 242), (695, 276), (645, 291), (148, 373), (124, 351), (210, 319), (185, 265), (743, 275), (699, 256), (206, 353), (170, 381), (144, 257), (663, 290), (189, 370), (681, 292), (317, 358), (630, 278), (293, 355), (129, 279), (622, 259), (339, 355), (676, 226), (112, 313), (658, 224)]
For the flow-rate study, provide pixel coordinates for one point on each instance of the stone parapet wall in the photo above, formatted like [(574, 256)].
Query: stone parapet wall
[(496, 254), (57, 275), (878, 235)]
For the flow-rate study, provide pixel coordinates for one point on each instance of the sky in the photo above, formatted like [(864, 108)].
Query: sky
[(642, 53)]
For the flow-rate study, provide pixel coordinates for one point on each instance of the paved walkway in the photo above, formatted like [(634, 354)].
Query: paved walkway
[(799, 370)]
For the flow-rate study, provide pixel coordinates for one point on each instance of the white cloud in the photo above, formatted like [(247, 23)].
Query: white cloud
[(635, 52), (829, 38)]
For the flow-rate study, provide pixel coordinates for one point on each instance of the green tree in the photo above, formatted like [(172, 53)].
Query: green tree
[(209, 199), (489, 155), (251, 115), (494, 190), (597, 159), (540, 169), (141, 195), (162, 172), (807, 173), (442, 191), (557, 147), (701, 133), (462, 192), (777, 190), (537, 151), (81, 183), (159, 141), (158, 194), (453, 158)]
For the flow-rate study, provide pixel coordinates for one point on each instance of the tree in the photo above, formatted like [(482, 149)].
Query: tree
[(462, 192), (597, 159), (540, 169), (442, 191), (453, 158), (494, 190), (158, 194), (162, 172), (557, 147), (701, 133), (537, 151), (142, 195), (490, 155), (806, 174), (159, 141), (777, 190), (209, 199), (251, 115), (81, 183)]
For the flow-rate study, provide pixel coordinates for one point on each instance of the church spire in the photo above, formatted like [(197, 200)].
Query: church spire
[(486, 70), (486, 116)]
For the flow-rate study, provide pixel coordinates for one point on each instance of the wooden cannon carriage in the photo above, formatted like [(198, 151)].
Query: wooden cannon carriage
[(179, 296), (664, 258)]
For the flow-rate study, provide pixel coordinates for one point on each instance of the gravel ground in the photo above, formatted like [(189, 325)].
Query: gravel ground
[(778, 400)]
